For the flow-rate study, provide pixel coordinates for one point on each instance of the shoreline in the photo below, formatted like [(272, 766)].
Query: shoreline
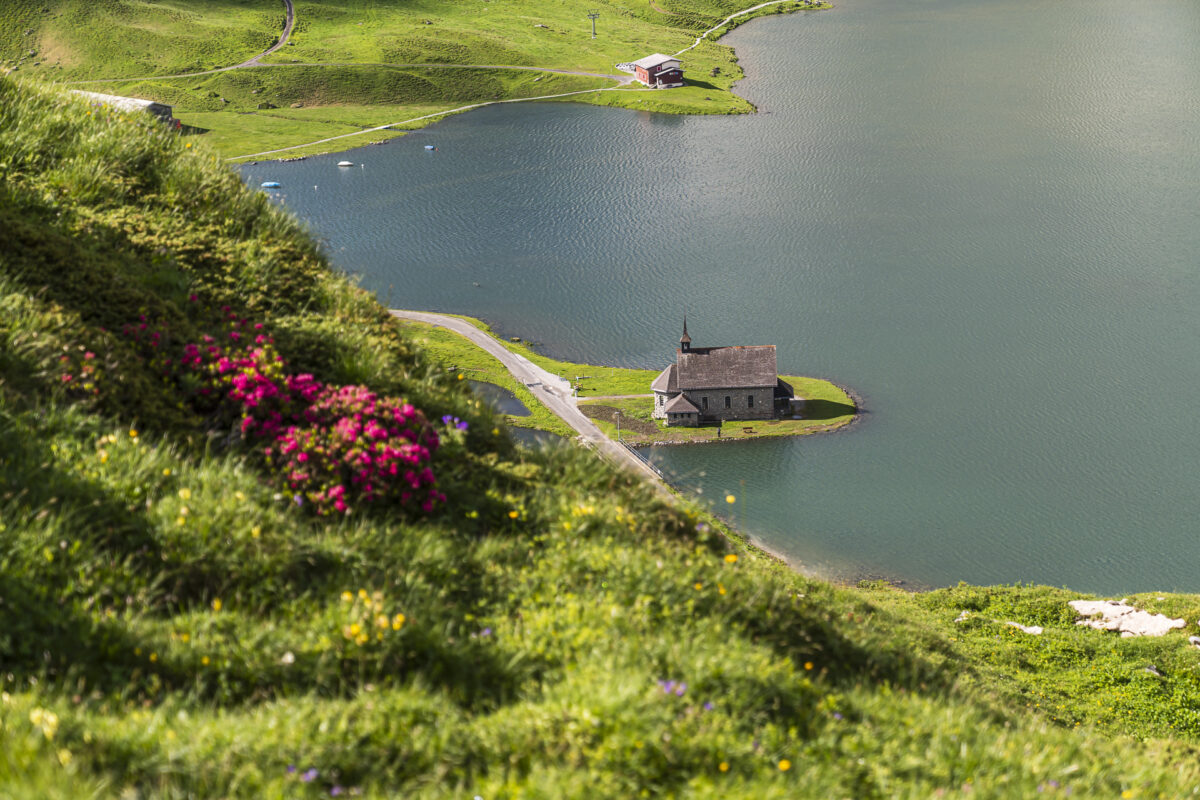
[(438, 353)]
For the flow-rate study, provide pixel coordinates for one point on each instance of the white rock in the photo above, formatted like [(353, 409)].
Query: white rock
[(1035, 630), (1130, 621)]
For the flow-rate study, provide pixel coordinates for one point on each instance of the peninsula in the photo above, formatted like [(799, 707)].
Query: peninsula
[(618, 400)]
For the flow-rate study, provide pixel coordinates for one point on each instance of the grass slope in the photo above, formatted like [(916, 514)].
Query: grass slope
[(171, 626), (364, 46)]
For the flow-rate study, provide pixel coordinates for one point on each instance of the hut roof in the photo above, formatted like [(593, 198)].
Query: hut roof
[(653, 61)]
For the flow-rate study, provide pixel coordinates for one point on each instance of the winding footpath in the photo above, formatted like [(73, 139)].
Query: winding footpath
[(289, 22), (552, 391)]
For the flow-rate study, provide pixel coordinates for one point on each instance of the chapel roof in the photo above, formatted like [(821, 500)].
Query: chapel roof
[(749, 366), (665, 382)]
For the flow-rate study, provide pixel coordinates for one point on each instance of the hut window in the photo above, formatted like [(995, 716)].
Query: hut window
[(727, 403), (749, 401), (704, 402)]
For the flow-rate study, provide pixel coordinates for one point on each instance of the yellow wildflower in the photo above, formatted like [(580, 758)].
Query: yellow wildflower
[(514, 514), (397, 622), (154, 656), (731, 558), (697, 586), (808, 665), (723, 766), (185, 494), (204, 660), (355, 629), (730, 498), (64, 756), (167, 472), (346, 596), (255, 532), (381, 621), (103, 456), (216, 604), (46, 720), (362, 594), (461, 376), (784, 765), (132, 434), (720, 588), (361, 639)]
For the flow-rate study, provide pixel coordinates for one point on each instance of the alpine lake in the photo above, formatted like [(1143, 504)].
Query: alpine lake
[(983, 218)]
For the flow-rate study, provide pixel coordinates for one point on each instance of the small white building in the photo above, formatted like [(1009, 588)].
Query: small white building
[(659, 71), (160, 110)]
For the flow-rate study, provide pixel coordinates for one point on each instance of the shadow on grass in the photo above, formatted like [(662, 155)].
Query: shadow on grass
[(827, 409)]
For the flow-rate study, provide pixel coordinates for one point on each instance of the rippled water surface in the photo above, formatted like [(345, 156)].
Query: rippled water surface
[(983, 217)]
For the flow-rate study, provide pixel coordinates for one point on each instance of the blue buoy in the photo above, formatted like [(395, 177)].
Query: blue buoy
[(430, 147), (270, 184)]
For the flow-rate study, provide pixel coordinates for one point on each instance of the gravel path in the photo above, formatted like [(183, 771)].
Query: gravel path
[(553, 392), (288, 23)]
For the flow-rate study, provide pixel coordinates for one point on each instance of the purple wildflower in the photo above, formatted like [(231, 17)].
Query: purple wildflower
[(837, 715), (460, 424), (299, 500), (335, 791), (709, 706), (291, 769), (309, 775), (446, 419), (680, 689), (486, 632)]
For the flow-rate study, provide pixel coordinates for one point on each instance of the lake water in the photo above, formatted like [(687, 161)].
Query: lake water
[(984, 217)]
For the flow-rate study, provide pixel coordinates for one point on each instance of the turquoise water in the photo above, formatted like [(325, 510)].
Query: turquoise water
[(983, 217)]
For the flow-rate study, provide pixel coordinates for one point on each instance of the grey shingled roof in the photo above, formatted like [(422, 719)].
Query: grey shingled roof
[(740, 367), (679, 404), (665, 382)]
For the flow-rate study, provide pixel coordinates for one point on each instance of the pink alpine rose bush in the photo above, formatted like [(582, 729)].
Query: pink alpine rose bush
[(332, 446), (355, 444)]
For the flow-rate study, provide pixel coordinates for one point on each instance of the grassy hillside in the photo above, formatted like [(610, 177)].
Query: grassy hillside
[(364, 50), (177, 621)]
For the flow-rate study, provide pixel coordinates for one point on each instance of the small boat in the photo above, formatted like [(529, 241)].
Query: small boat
[(271, 184), (345, 163), (430, 147)]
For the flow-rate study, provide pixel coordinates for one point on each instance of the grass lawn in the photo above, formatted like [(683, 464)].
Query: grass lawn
[(360, 49)]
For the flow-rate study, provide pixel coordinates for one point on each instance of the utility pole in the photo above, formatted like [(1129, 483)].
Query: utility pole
[(592, 15), (617, 414)]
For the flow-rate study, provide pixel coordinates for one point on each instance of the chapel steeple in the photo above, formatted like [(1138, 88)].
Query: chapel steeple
[(685, 341)]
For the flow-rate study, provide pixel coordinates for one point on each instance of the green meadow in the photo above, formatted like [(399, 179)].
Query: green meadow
[(176, 622), (348, 64)]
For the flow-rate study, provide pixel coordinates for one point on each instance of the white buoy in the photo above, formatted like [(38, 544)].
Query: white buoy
[(345, 163)]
